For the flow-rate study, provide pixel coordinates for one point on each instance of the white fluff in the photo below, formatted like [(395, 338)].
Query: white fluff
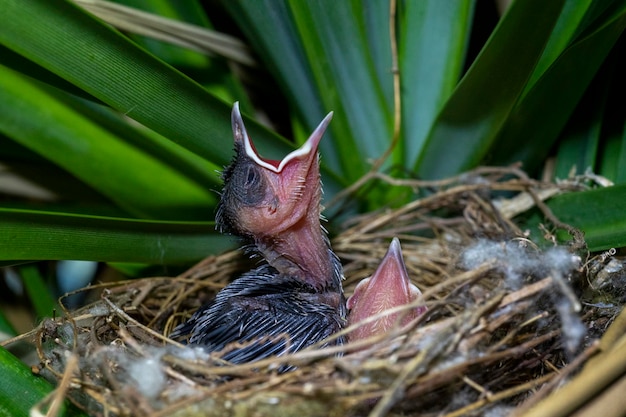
[(517, 262)]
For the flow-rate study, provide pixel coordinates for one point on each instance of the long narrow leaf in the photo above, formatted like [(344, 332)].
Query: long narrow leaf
[(574, 11), (536, 121), (470, 120), (6, 328), (270, 29), (189, 11), (376, 22), (433, 40), (126, 175), (33, 235), (38, 291), (337, 51), (21, 390), (613, 158), (174, 32), (148, 141), (70, 43), (598, 213), (579, 146)]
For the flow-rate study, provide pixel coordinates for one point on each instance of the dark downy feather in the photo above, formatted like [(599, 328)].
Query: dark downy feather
[(251, 308)]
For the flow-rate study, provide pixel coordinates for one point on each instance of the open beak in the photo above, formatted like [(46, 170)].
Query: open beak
[(262, 197), (306, 153)]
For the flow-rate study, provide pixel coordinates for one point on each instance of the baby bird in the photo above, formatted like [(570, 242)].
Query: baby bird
[(294, 298), (388, 287)]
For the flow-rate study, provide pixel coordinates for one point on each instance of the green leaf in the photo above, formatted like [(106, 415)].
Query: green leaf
[(270, 29), (38, 292), (613, 158), (151, 143), (131, 178), (189, 11), (432, 45), (474, 114), (598, 213), (21, 390), (323, 54), (569, 22), (335, 44), (79, 48), (6, 328), (34, 235), (580, 141), (537, 120), (376, 17)]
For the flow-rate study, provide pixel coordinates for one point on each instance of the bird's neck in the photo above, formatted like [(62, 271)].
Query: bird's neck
[(303, 251)]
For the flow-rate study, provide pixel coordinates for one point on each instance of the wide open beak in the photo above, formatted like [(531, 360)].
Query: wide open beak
[(305, 154), (279, 193)]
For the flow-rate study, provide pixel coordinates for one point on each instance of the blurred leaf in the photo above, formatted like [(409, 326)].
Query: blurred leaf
[(432, 46), (613, 158), (535, 123), (132, 179), (598, 213), (151, 143), (65, 40), (38, 292), (190, 11), (376, 17), (568, 23), (6, 328), (482, 102), (580, 141), (21, 390), (612, 151), (34, 235), (336, 48)]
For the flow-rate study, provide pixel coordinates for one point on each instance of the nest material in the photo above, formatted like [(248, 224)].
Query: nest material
[(499, 334)]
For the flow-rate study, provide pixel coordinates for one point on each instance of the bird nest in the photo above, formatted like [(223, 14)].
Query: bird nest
[(505, 325)]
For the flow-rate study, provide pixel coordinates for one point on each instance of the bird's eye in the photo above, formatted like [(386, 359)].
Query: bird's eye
[(248, 185), (252, 177)]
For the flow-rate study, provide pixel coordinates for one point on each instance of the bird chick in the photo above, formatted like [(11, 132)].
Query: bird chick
[(294, 298), (387, 288)]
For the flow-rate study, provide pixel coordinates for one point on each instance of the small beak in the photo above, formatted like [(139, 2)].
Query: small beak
[(306, 151), (387, 288)]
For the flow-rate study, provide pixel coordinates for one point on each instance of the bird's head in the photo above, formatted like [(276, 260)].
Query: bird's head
[(263, 197), (388, 287)]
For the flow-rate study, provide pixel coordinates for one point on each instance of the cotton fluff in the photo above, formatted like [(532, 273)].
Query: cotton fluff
[(516, 261), (148, 376), (512, 259)]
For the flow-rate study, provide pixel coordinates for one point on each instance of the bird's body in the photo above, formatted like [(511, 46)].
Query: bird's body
[(279, 313), (294, 298)]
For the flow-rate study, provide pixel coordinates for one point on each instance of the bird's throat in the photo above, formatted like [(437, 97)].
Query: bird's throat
[(303, 251)]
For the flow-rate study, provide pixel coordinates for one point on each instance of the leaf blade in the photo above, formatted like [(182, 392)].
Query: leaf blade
[(97, 59), (534, 124), (133, 179), (469, 121), (599, 213), (36, 235), (432, 42), (21, 390)]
